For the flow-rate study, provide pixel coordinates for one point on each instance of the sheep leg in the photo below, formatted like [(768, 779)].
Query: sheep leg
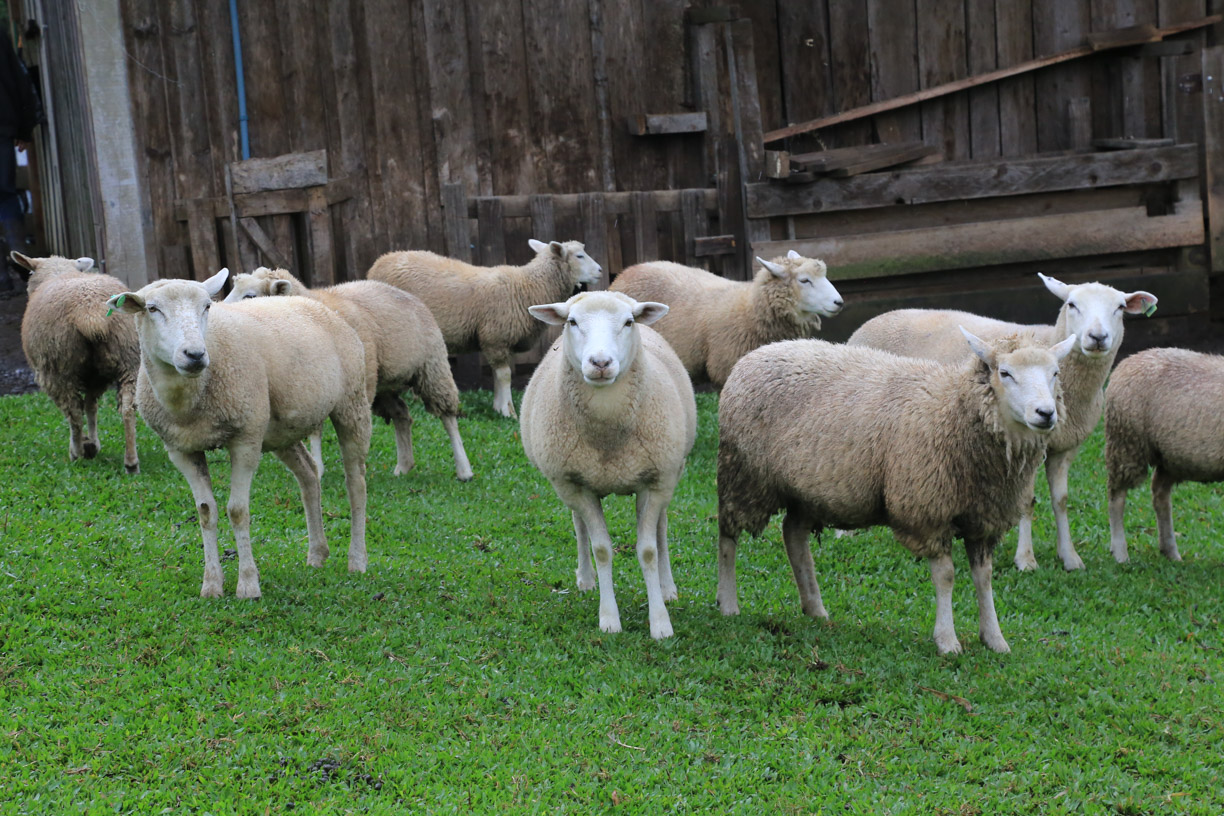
[(391, 407), (651, 505), (354, 446), (90, 446), (726, 596), (194, 468), (1058, 467), (943, 573), (587, 506), (585, 573), (667, 581), (1162, 503), (1024, 535), (69, 403), (797, 535), (244, 461), (981, 566), (316, 450), (302, 467), (463, 468), (127, 409), (503, 403), (1117, 533)]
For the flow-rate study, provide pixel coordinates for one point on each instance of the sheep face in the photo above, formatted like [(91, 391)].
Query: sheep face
[(1093, 312), (583, 268), (39, 270), (815, 296), (600, 338), (172, 319), (1024, 380)]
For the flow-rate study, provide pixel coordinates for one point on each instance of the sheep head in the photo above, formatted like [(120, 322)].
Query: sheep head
[(584, 270), (1023, 379), (172, 320), (600, 338), (1094, 311), (263, 282), (813, 295)]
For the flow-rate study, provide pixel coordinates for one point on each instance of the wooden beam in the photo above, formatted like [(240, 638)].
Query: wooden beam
[(714, 245), (322, 263), (653, 124), (455, 224), (292, 171), (956, 181), (202, 227), (1020, 240), (1132, 35), (272, 202), (970, 82), (1213, 153), (851, 161), (265, 244), (777, 164), (567, 204)]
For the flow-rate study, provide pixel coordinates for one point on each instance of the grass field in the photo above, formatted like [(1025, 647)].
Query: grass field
[(464, 673)]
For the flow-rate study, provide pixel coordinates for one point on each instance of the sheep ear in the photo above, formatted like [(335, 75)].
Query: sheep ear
[(558, 248), (536, 246), (1061, 350), (647, 311), (23, 260), (279, 287), (84, 264), (1141, 303), (128, 302), (217, 282), (1060, 290), (793, 255), (554, 314), (984, 352), (777, 269)]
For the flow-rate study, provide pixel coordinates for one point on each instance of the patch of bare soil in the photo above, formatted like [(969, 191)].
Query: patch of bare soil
[(15, 374)]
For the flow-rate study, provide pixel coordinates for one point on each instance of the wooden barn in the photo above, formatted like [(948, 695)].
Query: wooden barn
[(933, 152)]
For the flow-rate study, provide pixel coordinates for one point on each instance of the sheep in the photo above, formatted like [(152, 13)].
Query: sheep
[(77, 352), (403, 348), (1091, 311), (713, 321), (249, 377), (855, 437), (1162, 410), (485, 308), (610, 410)]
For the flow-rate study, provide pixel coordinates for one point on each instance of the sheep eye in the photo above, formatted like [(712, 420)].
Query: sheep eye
[(1007, 375), (151, 309), (580, 256), (628, 322), (207, 306), (1072, 306), (248, 295), (805, 280), (572, 322)]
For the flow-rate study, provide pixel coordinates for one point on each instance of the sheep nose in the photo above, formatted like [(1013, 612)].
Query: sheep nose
[(1098, 338), (601, 363), (1046, 417), (195, 359), (838, 302)]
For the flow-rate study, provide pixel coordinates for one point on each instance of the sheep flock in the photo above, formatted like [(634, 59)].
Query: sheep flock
[(933, 423)]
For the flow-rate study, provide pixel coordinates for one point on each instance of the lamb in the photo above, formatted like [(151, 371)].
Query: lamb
[(76, 352), (855, 437), (485, 308), (1091, 311), (713, 321), (250, 377), (1162, 410), (611, 410), (403, 350)]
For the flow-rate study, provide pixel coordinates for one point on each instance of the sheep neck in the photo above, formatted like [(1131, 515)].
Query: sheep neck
[(775, 311), (607, 409), (546, 278), (176, 393)]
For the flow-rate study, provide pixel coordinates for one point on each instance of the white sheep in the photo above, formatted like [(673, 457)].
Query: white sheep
[(250, 377), (611, 410), (483, 308), (77, 352), (713, 321), (1162, 410), (403, 347), (1091, 311), (853, 437)]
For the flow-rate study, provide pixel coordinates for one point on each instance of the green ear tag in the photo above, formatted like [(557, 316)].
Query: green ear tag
[(118, 303), (1150, 310)]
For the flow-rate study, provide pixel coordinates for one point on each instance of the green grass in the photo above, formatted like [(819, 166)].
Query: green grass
[(464, 673)]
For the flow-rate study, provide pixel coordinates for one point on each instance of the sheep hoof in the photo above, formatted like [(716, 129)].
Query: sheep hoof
[(132, 469), (585, 583), (357, 565), (671, 593), (1026, 564), (90, 449), (729, 608), (817, 611), (1073, 562), (464, 475), (948, 644), (610, 625), (663, 630), (248, 590), (995, 643), (211, 590), (401, 469), (1172, 555)]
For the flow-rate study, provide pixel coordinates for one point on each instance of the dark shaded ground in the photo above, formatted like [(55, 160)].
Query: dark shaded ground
[(15, 374)]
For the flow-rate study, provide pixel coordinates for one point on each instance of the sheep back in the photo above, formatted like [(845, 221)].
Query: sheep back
[(859, 437), (1161, 408), (644, 446), (279, 367)]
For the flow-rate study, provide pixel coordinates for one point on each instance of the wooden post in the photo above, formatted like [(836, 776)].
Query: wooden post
[(491, 232), (322, 263), (645, 227), (1213, 170), (594, 220), (202, 227), (543, 223), (692, 213), (455, 227)]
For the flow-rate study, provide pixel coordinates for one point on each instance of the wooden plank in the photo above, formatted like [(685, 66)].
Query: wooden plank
[(261, 240), (543, 223), (706, 246), (963, 246), (450, 92), (942, 59), (272, 202), (1079, 122), (745, 99), (850, 66), (202, 226), (894, 75), (981, 31), (291, 171), (970, 180), (1130, 144), (821, 161), (566, 204), (1181, 101), (907, 99), (645, 228), (491, 233), (1122, 37), (807, 75), (599, 73), (777, 164), (322, 257), (1017, 111), (652, 124), (1213, 153), (693, 216), (853, 161), (595, 232), (455, 224), (1059, 25), (731, 206), (482, 136)]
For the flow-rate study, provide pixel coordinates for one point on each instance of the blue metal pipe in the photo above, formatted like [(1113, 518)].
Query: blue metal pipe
[(244, 136)]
